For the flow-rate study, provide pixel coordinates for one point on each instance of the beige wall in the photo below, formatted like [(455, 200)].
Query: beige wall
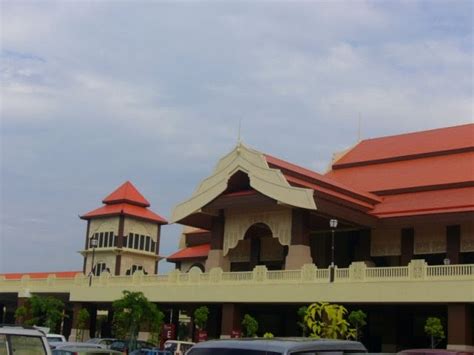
[(103, 255), (133, 225), (109, 224), (129, 259)]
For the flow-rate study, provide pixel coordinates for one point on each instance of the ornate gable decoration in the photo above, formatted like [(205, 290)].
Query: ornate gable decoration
[(269, 182)]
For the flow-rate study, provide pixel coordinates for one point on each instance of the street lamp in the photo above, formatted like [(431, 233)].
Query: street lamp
[(93, 244), (333, 225)]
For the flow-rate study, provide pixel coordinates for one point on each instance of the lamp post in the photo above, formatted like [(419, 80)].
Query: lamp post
[(93, 244), (333, 225)]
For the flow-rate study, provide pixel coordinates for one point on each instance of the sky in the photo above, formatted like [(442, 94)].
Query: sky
[(97, 93)]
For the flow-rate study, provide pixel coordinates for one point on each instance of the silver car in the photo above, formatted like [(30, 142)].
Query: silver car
[(278, 346)]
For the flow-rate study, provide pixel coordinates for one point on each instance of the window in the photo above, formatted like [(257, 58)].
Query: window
[(26, 345), (130, 241), (147, 243), (142, 242), (136, 241), (134, 268), (99, 268), (101, 240), (153, 246)]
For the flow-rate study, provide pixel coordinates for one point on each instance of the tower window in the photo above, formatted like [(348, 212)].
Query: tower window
[(142, 242), (130, 241), (136, 241), (147, 243)]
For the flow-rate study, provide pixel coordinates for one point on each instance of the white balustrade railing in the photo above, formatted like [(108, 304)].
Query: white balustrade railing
[(417, 270)]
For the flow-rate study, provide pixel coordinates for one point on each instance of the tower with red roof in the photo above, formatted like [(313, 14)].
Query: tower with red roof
[(127, 234)]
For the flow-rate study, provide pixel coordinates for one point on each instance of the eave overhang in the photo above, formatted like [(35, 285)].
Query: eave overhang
[(269, 182)]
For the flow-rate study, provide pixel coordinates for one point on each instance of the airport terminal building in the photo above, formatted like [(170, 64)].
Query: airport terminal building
[(389, 229)]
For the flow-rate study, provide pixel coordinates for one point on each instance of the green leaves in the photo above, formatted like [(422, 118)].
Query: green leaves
[(133, 311), (325, 320), (250, 326), (200, 317), (43, 311), (434, 329)]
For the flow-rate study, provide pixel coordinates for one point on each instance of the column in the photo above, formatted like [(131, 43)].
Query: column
[(407, 246), (22, 302), (460, 327), (216, 257), (76, 333), (231, 319), (118, 257), (453, 243), (299, 250)]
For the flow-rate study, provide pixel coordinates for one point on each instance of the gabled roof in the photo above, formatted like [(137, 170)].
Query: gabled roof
[(127, 193), (195, 252), (126, 200), (413, 145)]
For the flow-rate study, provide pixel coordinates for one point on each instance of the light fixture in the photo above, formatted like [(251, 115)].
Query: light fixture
[(333, 223)]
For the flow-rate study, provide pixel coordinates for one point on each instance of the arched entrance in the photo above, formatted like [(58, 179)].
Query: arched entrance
[(258, 247)]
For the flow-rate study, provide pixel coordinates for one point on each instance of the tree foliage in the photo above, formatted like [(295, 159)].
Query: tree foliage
[(134, 312), (201, 315), (83, 318), (268, 335), (250, 326), (41, 311), (358, 320), (301, 322), (434, 329), (325, 320)]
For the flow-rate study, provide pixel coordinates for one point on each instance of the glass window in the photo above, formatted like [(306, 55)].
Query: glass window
[(130, 240), (101, 240), (25, 345), (136, 241), (142, 242), (147, 243), (153, 246)]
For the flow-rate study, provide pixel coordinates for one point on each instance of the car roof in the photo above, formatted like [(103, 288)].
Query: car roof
[(20, 330), (284, 344), (85, 350)]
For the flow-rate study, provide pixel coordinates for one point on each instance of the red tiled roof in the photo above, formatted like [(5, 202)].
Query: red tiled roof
[(41, 275), (409, 174), (300, 176), (426, 202), (127, 193), (127, 209), (409, 146), (198, 251)]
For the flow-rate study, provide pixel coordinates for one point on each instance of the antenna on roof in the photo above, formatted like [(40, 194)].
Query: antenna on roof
[(239, 140), (358, 130)]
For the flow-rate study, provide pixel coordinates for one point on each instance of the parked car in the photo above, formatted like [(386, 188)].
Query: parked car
[(435, 352), (277, 346), (124, 345), (79, 345), (23, 340), (55, 338), (102, 341), (177, 347), (84, 351)]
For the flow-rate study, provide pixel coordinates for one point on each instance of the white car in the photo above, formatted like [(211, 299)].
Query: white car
[(55, 338), (22, 340)]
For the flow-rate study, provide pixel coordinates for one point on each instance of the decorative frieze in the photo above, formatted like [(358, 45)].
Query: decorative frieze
[(385, 242), (237, 224), (430, 239), (467, 237)]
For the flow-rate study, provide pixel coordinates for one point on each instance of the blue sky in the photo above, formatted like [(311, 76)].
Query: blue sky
[(97, 93)]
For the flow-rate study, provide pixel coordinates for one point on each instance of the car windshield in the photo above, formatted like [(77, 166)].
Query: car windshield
[(54, 339), (27, 345)]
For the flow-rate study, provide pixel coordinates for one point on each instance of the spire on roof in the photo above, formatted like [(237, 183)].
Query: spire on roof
[(126, 193)]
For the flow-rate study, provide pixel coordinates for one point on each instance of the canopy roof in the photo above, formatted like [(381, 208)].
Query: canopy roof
[(194, 252), (127, 193)]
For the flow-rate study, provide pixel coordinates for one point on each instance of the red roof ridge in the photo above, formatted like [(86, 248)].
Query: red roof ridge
[(326, 181), (197, 251), (40, 275), (408, 146), (126, 192)]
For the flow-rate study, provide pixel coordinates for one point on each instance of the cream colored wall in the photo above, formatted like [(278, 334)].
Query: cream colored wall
[(109, 224), (105, 255), (133, 225), (129, 259)]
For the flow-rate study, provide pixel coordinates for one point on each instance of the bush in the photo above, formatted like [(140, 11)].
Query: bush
[(250, 326)]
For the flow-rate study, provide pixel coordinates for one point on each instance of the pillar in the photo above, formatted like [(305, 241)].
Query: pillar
[(75, 334), (22, 302), (231, 319), (453, 243), (407, 246), (119, 245), (216, 257), (460, 327), (299, 250)]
